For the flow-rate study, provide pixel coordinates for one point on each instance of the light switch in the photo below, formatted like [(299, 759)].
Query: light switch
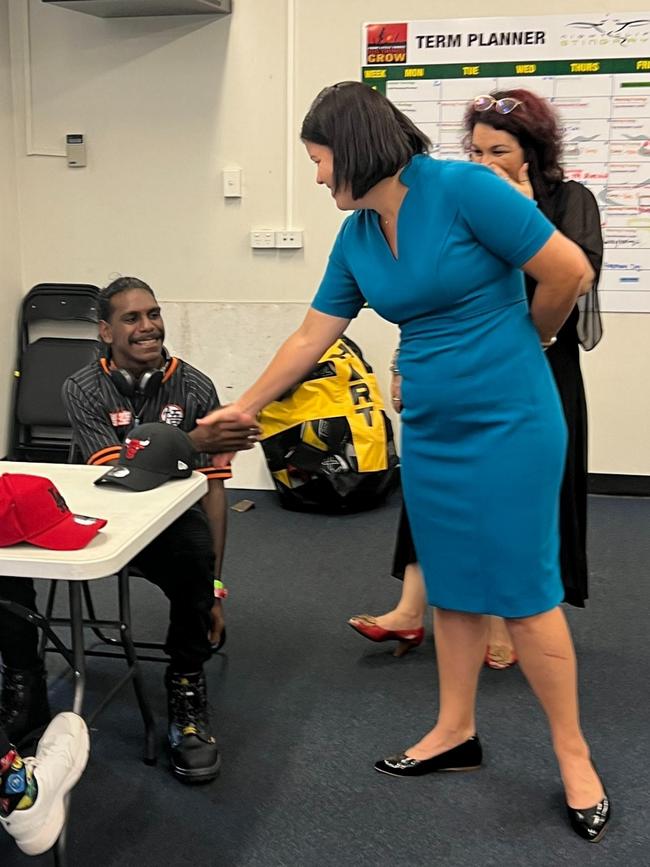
[(231, 183), (75, 149)]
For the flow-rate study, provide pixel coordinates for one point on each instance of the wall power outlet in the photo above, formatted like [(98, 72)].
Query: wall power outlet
[(289, 239)]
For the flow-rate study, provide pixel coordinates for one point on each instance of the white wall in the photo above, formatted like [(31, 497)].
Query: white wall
[(11, 287), (166, 104)]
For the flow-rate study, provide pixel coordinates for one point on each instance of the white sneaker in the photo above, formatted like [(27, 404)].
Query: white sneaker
[(61, 757)]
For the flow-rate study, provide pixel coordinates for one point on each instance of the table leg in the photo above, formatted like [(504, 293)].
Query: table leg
[(60, 850), (132, 659), (77, 641), (79, 669)]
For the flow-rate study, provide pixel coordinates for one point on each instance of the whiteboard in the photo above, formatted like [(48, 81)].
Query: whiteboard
[(594, 70)]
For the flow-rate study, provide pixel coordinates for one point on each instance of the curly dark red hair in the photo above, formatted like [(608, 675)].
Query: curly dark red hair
[(536, 127)]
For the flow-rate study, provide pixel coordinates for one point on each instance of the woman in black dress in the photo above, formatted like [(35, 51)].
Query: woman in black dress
[(517, 134)]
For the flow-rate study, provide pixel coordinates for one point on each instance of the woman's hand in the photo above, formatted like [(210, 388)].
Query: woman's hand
[(521, 183), (396, 392), (560, 268)]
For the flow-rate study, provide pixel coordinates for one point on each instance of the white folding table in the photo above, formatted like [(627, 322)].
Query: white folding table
[(134, 519)]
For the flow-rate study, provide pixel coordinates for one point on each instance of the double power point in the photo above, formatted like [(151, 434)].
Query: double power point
[(286, 239)]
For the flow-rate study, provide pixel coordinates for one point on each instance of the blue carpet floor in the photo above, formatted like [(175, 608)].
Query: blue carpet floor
[(304, 706)]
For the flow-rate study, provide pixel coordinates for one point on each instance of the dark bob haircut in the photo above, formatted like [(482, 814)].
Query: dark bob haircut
[(370, 139), (122, 284), (535, 125)]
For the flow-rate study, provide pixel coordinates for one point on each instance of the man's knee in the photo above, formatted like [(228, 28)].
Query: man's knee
[(20, 590)]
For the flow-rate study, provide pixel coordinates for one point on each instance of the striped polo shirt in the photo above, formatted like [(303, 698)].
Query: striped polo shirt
[(101, 416)]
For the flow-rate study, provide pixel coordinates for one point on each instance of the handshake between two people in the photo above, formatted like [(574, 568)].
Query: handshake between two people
[(224, 432)]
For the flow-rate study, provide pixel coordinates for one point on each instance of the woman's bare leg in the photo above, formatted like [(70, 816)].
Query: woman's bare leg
[(547, 658), (410, 610), (460, 649)]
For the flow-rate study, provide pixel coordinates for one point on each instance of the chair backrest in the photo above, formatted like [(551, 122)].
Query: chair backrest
[(59, 310), (46, 365), (57, 336)]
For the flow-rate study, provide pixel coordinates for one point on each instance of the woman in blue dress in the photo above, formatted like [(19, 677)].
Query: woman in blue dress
[(437, 247), (519, 136)]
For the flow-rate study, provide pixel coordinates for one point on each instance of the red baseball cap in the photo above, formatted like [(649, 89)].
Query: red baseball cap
[(32, 510)]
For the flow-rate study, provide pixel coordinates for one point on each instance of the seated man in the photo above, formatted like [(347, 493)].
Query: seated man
[(134, 383), (33, 789)]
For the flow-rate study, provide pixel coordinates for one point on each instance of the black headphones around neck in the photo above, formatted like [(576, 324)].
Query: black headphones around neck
[(144, 386)]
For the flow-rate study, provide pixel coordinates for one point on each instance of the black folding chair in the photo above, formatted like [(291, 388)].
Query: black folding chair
[(57, 336)]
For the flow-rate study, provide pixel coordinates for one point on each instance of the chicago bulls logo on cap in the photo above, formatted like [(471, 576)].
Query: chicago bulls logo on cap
[(132, 446)]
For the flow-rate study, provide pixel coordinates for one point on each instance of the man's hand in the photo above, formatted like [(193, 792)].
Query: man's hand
[(225, 430)]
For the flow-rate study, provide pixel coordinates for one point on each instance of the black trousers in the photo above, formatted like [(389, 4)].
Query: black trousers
[(5, 745), (18, 638), (180, 561)]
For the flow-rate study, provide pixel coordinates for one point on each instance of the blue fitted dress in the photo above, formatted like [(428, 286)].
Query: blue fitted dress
[(483, 433)]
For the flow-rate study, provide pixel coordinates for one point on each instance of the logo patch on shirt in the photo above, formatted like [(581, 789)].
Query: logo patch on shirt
[(172, 413), (121, 418)]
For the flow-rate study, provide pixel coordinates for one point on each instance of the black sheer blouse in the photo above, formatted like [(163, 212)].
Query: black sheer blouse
[(572, 208)]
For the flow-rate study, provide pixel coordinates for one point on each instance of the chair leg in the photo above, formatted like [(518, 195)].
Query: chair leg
[(90, 608), (132, 659), (39, 621), (49, 608)]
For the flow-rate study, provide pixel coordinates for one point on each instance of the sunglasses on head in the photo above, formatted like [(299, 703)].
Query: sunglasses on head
[(503, 106)]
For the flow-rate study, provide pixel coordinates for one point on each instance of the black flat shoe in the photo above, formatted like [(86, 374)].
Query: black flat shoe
[(465, 757), (591, 824)]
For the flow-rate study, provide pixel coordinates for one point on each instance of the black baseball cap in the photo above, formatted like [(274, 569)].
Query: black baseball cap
[(151, 454)]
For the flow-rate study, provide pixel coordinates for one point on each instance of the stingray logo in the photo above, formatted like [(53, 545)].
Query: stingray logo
[(613, 30), (133, 446)]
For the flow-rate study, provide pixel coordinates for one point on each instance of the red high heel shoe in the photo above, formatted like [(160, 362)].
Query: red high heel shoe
[(367, 626)]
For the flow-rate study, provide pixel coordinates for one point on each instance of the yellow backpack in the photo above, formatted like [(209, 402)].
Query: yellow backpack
[(328, 443)]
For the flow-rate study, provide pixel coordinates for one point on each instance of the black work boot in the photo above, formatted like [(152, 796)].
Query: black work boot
[(194, 754), (24, 708)]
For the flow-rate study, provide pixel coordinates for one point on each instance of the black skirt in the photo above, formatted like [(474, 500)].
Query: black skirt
[(564, 358), (404, 549)]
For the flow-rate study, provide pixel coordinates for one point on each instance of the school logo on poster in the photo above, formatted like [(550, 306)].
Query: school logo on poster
[(386, 43), (601, 30)]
